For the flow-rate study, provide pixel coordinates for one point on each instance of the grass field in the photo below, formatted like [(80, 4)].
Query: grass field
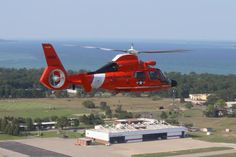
[(10, 137), (55, 133), (219, 125), (41, 108), (66, 107), (44, 134), (47, 107), (182, 152)]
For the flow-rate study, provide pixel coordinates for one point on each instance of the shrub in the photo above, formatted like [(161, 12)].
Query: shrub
[(164, 115), (189, 105), (88, 104), (103, 105)]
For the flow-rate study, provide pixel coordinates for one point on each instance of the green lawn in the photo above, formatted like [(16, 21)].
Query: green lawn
[(182, 152), (10, 137), (44, 134), (45, 107), (47, 134), (215, 137), (37, 109)]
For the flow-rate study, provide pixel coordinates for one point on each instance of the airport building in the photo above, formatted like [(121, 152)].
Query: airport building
[(135, 130)]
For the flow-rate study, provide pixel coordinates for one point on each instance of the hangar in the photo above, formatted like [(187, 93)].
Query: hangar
[(135, 130)]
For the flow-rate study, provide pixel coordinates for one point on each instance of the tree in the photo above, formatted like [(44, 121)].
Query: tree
[(38, 120), (189, 105), (220, 104), (4, 123), (211, 99), (88, 104), (62, 122), (118, 109), (16, 131), (0, 124), (95, 119), (10, 125), (91, 119), (163, 115), (54, 118), (108, 112), (84, 119), (76, 122), (210, 111), (184, 93), (172, 121), (29, 124), (60, 94), (103, 105), (122, 114)]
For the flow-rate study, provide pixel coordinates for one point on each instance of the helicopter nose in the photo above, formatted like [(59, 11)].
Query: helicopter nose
[(173, 83)]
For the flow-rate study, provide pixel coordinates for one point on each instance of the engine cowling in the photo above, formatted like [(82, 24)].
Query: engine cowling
[(151, 63)]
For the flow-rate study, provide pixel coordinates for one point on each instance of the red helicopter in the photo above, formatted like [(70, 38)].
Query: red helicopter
[(125, 73)]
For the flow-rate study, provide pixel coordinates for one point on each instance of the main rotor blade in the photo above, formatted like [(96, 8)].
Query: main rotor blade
[(103, 49), (164, 51)]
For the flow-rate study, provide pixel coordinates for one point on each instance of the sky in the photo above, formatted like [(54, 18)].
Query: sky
[(118, 19)]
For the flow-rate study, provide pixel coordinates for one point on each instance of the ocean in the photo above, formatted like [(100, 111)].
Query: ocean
[(204, 57)]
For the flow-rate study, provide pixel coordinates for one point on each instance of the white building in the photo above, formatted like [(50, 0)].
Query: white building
[(231, 104), (135, 130), (197, 98), (71, 91)]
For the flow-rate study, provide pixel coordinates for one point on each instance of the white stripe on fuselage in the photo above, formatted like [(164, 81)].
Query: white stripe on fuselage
[(98, 80), (118, 56)]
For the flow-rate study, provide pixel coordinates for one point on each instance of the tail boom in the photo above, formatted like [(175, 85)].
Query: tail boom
[(55, 76)]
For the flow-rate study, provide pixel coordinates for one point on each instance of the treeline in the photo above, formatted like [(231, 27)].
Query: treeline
[(10, 125), (21, 83), (18, 125), (118, 112), (224, 86), (16, 83)]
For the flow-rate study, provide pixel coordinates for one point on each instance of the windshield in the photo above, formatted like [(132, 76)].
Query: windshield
[(163, 78)]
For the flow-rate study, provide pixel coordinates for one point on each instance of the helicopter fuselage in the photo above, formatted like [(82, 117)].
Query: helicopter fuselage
[(125, 73)]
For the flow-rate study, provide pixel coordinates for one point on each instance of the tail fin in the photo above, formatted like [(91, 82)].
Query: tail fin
[(51, 56), (54, 75)]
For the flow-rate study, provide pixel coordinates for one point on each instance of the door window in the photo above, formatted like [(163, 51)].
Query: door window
[(140, 75), (153, 75)]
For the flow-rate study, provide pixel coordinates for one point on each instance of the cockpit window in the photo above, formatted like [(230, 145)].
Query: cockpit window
[(139, 75), (109, 67), (153, 75), (163, 77)]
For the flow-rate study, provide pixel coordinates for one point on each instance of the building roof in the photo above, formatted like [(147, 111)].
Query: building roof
[(46, 123), (143, 124), (230, 103)]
